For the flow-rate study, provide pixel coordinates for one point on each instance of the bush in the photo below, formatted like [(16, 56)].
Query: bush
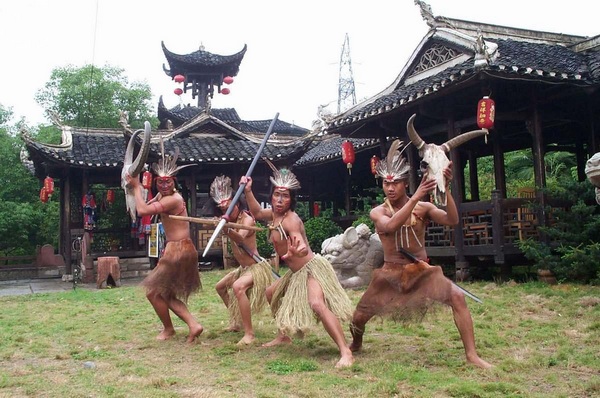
[(364, 219), (572, 249), (318, 229)]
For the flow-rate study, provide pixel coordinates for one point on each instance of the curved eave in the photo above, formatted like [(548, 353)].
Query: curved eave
[(403, 96), (203, 61)]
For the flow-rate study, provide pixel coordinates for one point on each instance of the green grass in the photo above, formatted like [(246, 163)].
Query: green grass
[(544, 341)]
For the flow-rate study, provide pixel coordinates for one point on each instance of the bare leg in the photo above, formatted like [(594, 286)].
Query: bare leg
[(222, 289), (330, 322), (281, 338), (162, 310), (181, 310), (464, 324), (240, 287)]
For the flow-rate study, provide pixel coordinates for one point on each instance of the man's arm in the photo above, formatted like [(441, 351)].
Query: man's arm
[(253, 205)]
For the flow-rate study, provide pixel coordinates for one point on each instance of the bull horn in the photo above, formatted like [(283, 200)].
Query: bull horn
[(138, 164), (412, 133), (461, 139)]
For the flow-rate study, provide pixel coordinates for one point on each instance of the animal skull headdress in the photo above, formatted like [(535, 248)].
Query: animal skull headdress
[(434, 156), (394, 167), (283, 178), (220, 189)]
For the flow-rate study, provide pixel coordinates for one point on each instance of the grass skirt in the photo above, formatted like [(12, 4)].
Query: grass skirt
[(290, 305), (176, 275), (262, 277)]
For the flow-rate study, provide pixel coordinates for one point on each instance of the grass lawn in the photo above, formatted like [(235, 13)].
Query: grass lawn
[(544, 341)]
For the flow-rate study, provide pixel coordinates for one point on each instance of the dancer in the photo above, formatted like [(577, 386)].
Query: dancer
[(176, 275), (402, 287), (242, 290), (310, 288)]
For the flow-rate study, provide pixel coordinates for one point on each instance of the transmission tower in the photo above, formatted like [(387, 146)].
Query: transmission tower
[(346, 93)]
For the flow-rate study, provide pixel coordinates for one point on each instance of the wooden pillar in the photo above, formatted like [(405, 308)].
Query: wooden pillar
[(499, 170), (473, 180), (539, 169), (461, 265), (65, 219)]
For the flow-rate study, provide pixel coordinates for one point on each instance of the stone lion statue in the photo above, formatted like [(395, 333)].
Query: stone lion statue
[(353, 255)]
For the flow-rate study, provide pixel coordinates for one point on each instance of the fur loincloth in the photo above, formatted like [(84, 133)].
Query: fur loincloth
[(176, 275), (405, 292), (290, 305), (262, 277)]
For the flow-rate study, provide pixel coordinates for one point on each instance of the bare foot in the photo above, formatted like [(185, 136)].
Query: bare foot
[(246, 340), (355, 347), (280, 339), (195, 331), (233, 328), (480, 363), (345, 361), (166, 334)]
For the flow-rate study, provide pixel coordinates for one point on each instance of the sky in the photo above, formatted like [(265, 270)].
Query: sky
[(292, 64)]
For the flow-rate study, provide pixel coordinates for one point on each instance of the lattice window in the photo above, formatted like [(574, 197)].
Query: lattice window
[(434, 56)]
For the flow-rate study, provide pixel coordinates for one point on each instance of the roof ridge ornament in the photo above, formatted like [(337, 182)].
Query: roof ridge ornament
[(426, 13)]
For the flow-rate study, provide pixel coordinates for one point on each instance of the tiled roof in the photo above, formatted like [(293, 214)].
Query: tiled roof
[(515, 59), (100, 148), (330, 148), (203, 61)]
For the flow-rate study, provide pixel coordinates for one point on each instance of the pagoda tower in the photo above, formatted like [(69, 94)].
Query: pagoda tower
[(202, 71)]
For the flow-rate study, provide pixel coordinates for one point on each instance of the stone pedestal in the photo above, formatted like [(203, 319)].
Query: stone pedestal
[(109, 272)]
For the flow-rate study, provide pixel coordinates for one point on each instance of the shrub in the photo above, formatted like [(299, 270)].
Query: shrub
[(318, 229), (364, 219)]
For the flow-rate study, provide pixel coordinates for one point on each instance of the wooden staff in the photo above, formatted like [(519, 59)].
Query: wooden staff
[(215, 221)]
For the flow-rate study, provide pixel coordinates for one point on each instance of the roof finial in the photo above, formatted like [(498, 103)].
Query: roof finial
[(426, 12)]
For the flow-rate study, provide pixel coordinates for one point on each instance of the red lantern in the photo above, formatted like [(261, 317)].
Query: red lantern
[(110, 196), (147, 179), (374, 162), (316, 209), (49, 185), (348, 155), (178, 91), (179, 78), (228, 80), (43, 195), (225, 91), (486, 113)]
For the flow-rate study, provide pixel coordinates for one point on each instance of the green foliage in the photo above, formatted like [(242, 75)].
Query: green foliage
[(318, 229), (364, 219), (265, 248), (94, 97), (573, 249), (25, 222)]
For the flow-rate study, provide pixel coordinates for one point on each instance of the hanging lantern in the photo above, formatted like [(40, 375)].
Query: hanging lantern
[(374, 162), (348, 155), (49, 185), (225, 91), (43, 195), (110, 196), (486, 113), (316, 209), (228, 80), (179, 78), (178, 91), (147, 179)]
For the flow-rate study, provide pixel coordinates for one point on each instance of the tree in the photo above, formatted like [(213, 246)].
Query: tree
[(94, 97), (25, 222)]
